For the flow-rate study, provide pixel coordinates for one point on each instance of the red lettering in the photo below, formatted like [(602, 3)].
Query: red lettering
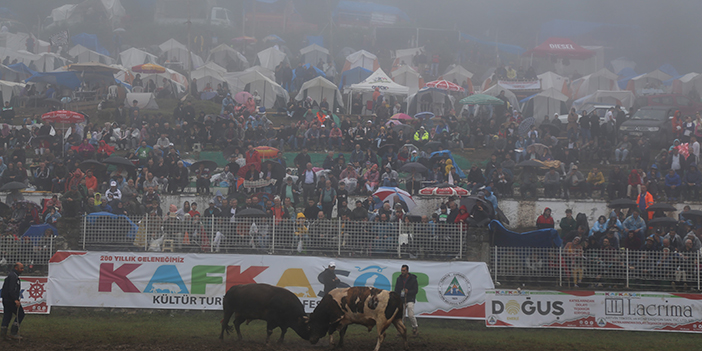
[(108, 275), (236, 277)]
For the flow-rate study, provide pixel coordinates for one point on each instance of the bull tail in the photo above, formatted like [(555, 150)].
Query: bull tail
[(225, 321)]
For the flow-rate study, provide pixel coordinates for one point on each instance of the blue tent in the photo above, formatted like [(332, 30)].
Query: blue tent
[(66, 79), (669, 70), (535, 238), (22, 68), (315, 39), (133, 228), (353, 76), (626, 74), (37, 231), (507, 48), (90, 41), (448, 153)]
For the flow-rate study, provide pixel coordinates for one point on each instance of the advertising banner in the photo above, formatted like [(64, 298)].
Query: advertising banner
[(199, 281), (33, 296), (647, 311), (521, 84)]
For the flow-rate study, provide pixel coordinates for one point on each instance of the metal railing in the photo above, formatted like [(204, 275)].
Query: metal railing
[(34, 252), (270, 236), (596, 268)]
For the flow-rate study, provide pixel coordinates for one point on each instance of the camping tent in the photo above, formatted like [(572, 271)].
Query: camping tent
[(600, 80), (545, 103), (81, 54), (265, 71), (378, 80), (134, 57), (177, 52), (180, 80), (230, 59), (497, 88), (318, 88), (686, 83), (623, 98), (270, 58), (361, 58), (208, 74), (49, 61), (313, 53), (552, 80), (9, 90), (252, 81), (652, 80), (560, 47), (458, 74), (353, 76), (432, 100), (145, 101), (407, 76)]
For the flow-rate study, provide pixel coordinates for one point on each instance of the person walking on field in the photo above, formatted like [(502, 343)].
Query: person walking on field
[(406, 285), (11, 303), (329, 279)]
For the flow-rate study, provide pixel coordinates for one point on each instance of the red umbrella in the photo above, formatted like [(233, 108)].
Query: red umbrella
[(243, 170), (267, 151), (400, 116), (450, 191), (445, 85), (63, 116), (148, 68), (242, 96)]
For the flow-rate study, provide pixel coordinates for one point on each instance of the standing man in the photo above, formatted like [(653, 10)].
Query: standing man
[(11, 303), (406, 285), (329, 279)]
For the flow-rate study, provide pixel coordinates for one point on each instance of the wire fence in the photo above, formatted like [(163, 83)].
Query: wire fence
[(271, 236), (34, 252), (596, 268)]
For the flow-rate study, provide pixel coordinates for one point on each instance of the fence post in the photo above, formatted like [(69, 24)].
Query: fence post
[(399, 232), (338, 248), (460, 244), (51, 252), (560, 266), (213, 233), (85, 228), (698, 268), (495, 263), (146, 232), (626, 252), (273, 237)]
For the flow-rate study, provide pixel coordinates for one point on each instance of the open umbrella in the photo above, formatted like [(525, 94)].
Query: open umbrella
[(209, 164), (243, 170), (383, 149), (90, 164), (692, 214), (385, 193), (426, 115), (662, 221), (278, 169), (433, 145), (470, 201), (267, 151), (661, 206), (251, 213), (149, 68), (443, 191), (36, 232), (32, 203), (525, 126), (118, 161), (622, 203), (119, 30), (405, 128), (242, 96), (273, 39), (481, 99), (13, 186), (401, 116), (444, 85), (93, 67), (393, 122), (233, 167), (63, 116), (413, 166)]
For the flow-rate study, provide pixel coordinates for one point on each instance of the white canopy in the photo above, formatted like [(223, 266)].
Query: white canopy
[(134, 57), (553, 80), (81, 54), (378, 80), (545, 103), (497, 88), (361, 58), (209, 75), (171, 44), (686, 83), (270, 58), (457, 73), (180, 80), (255, 81), (313, 53), (623, 98), (232, 60), (10, 89), (600, 80), (145, 101), (319, 88), (407, 76), (177, 52)]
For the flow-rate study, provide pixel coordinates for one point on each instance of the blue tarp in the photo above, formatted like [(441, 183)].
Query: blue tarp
[(507, 48), (353, 76), (448, 153), (669, 70), (66, 79), (626, 73), (90, 41), (36, 232), (535, 238), (368, 8), (133, 228), (318, 72), (22, 68), (527, 99), (669, 82), (315, 39)]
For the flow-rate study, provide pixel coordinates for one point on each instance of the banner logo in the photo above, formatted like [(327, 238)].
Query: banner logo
[(454, 288)]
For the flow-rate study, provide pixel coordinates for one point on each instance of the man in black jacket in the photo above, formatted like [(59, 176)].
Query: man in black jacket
[(11, 303), (406, 285), (328, 278)]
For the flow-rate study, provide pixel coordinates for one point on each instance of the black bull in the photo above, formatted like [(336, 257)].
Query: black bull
[(279, 307)]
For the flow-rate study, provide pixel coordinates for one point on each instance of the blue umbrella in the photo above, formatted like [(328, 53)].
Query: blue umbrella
[(273, 39), (426, 115), (37, 231)]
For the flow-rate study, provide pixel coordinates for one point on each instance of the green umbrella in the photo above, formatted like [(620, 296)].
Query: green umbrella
[(481, 99)]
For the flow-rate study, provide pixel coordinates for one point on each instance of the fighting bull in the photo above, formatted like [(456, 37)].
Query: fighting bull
[(357, 305), (279, 307)]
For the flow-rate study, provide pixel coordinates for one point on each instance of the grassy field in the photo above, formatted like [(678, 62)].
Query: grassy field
[(165, 330)]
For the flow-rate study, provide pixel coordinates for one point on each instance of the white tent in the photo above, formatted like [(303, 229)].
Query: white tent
[(407, 76), (49, 62), (545, 103), (553, 80), (313, 53), (171, 44), (686, 83), (178, 79), (318, 88), (497, 88), (378, 80), (600, 80), (81, 54), (13, 41), (62, 13), (405, 56), (265, 71), (623, 98), (215, 67), (10, 89), (252, 81), (205, 75), (145, 101), (177, 52), (361, 58), (652, 80), (458, 74), (134, 57), (270, 58), (224, 56)]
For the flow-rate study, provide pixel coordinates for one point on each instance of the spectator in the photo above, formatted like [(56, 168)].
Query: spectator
[(545, 220), (568, 223), (636, 224), (552, 183), (617, 184), (598, 229), (692, 180), (595, 181), (575, 181), (672, 185)]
